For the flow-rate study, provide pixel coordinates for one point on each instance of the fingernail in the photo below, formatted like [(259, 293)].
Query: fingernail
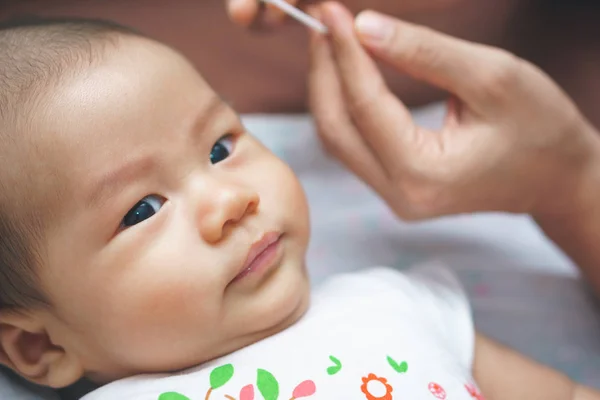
[(325, 16), (329, 13), (314, 12), (373, 26), (236, 4)]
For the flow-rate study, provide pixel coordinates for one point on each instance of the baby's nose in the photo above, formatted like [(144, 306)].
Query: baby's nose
[(229, 205)]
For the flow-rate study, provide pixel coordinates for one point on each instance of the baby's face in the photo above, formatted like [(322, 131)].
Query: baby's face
[(179, 238)]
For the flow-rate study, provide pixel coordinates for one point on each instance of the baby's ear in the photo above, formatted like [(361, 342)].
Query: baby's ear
[(26, 348)]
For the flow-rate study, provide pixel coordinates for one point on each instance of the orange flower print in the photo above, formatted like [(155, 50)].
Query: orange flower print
[(474, 392), (376, 388)]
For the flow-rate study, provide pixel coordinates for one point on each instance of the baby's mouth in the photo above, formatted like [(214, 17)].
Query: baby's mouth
[(261, 255)]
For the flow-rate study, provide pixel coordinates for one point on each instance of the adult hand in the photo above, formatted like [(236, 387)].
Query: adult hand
[(255, 13), (512, 140)]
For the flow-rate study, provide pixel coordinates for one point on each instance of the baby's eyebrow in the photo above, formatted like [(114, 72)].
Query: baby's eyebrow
[(111, 183)]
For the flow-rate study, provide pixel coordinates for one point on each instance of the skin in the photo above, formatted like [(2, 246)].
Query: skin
[(160, 295), (504, 374)]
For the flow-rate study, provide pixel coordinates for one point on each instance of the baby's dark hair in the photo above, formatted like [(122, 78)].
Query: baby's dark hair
[(35, 55)]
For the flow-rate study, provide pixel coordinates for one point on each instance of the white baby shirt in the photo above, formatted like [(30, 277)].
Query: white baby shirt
[(374, 335)]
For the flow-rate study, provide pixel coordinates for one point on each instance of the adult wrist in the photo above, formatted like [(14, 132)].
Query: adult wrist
[(573, 223), (575, 188)]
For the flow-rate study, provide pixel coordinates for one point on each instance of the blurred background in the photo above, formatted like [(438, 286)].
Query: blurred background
[(266, 71)]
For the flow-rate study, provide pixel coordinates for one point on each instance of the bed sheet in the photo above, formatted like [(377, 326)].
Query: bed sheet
[(524, 291)]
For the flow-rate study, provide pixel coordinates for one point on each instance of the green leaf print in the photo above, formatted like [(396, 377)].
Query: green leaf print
[(400, 368), (267, 385), (220, 376), (334, 369), (403, 367), (172, 396)]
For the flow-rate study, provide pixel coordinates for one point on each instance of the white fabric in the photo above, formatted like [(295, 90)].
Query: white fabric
[(370, 322)]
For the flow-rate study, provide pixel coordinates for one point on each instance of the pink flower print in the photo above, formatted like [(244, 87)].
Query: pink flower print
[(437, 391), (474, 392)]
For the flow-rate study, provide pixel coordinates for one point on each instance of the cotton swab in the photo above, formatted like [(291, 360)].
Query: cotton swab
[(298, 15)]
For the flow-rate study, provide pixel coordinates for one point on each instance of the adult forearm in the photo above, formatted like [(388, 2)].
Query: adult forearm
[(574, 223)]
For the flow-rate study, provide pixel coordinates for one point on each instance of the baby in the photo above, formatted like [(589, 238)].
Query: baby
[(151, 245)]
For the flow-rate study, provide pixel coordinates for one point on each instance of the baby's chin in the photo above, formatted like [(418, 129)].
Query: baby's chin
[(297, 312), (280, 304), (291, 310)]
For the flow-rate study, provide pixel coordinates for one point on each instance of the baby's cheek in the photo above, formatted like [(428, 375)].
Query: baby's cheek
[(294, 201), (160, 320)]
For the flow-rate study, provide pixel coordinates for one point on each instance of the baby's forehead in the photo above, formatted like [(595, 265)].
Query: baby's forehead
[(140, 93), (138, 85)]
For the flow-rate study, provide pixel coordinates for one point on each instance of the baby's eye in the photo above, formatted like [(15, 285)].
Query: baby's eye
[(222, 149), (143, 210)]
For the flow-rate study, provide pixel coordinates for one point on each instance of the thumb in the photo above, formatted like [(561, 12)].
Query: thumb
[(242, 12), (479, 75)]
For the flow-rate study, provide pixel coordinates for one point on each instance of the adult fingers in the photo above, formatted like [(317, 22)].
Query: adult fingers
[(383, 121), (260, 15), (255, 14), (338, 133), (242, 12), (481, 76)]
